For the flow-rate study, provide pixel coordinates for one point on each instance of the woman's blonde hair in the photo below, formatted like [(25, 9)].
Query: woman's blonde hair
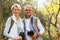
[(16, 5)]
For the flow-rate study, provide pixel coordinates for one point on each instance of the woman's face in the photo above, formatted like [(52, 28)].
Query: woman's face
[(16, 10)]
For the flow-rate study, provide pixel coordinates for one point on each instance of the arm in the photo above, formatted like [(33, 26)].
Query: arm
[(7, 26), (40, 27)]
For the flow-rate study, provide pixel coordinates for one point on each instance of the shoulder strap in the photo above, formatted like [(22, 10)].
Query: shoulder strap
[(35, 21), (11, 25), (24, 24), (32, 19), (24, 28)]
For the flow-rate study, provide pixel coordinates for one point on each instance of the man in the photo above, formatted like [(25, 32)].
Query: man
[(31, 30)]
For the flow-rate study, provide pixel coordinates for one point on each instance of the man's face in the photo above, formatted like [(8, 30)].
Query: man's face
[(28, 11)]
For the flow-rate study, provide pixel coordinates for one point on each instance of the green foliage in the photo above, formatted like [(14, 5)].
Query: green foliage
[(45, 19)]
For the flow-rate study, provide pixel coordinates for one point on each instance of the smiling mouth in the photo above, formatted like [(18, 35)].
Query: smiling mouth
[(28, 12)]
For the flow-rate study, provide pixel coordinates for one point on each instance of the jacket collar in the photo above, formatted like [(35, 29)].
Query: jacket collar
[(30, 17), (13, 17)]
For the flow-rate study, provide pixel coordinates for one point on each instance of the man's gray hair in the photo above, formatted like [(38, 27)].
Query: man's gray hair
[(25, 7), (14, 5)]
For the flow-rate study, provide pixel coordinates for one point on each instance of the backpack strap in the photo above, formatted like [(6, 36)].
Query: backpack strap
[(32, 19), (24, 25), (24, 29), (35, 21), (11, 25)]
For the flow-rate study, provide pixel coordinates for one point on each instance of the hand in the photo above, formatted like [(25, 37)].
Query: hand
[(38, 34), (34, 36), (18, 38)]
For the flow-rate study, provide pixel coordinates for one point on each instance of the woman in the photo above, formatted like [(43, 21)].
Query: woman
[(12, 32)]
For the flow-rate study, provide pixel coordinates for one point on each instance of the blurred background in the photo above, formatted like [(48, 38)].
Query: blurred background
[(48, 12)]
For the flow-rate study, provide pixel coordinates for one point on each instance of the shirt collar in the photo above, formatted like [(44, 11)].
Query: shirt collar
[(13, 17), (30, 17)]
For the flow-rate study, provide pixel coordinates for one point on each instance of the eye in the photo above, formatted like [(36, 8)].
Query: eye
[(28, 10)]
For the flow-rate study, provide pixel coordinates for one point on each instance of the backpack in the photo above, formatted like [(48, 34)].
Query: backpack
[(6, 38), (11, 25), (35, 19)]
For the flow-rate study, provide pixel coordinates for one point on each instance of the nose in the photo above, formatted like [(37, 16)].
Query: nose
[(28, 11)]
